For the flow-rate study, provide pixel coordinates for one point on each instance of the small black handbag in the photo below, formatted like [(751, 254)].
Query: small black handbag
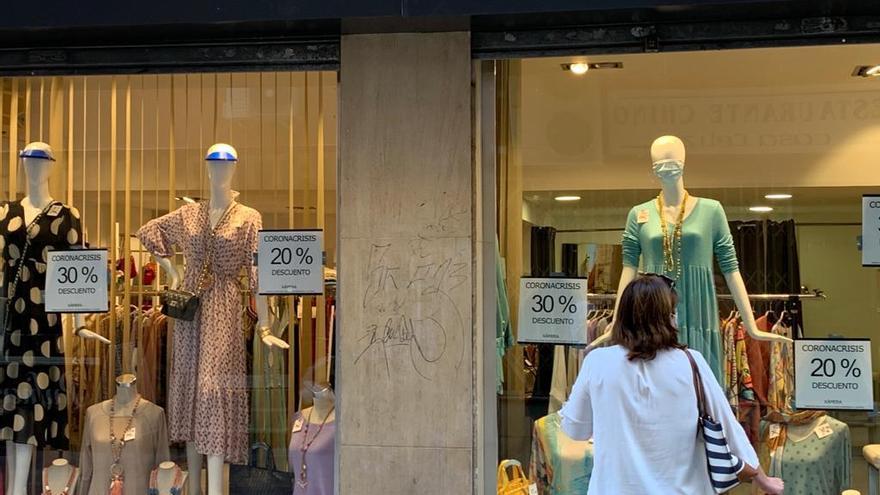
[(252, 480), (179, 304)]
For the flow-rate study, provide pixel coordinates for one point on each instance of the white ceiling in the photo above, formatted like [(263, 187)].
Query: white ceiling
[(762, 118)]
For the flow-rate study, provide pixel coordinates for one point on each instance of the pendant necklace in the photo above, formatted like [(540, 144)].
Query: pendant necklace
[(672, 264), (303, 480), (117, 473)]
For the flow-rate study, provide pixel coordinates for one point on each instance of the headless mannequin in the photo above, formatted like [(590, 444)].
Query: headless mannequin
[(165, 475), (323, 405), (37, 170), (672, 148), (220, 174), (58, 477)]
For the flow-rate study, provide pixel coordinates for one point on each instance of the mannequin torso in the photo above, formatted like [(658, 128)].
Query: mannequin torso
[(60, 478)]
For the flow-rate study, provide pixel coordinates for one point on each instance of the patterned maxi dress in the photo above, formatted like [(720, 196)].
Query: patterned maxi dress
[(32, 382), (207, 396)]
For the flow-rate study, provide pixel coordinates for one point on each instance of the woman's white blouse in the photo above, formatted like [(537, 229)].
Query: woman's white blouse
[(642, 416)]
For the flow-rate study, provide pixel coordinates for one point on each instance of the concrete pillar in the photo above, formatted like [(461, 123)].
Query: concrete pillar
[(405, 375)]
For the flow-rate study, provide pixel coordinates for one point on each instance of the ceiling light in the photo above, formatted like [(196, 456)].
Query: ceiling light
[(567, 198), (778, 196), (761, 209), (873, 71), (579, 68)]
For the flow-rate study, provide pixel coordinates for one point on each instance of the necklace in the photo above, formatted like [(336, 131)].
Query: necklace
[(303, 480), (117, 473), (672, 240), (70, 480), (175, 488)]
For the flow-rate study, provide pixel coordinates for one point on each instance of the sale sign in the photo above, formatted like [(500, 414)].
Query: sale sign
[(553, 310), (76, 281), (291, 262), (833, 374)]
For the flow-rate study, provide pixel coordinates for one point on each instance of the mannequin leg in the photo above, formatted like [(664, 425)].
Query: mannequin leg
[(194, 466), (22, 454), (10, 466), (215, 475)]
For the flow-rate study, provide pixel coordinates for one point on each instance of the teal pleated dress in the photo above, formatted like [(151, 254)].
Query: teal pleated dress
[(705, 236)]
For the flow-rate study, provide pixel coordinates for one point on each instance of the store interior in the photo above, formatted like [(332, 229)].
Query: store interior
[(784, 138)]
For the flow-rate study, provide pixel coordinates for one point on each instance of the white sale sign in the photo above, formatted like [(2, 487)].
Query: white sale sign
[(291, 262), (76, 281), (553, 310), (833, 374), (871, 230)]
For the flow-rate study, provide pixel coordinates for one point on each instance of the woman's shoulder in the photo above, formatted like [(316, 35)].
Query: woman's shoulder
[(606, 354)]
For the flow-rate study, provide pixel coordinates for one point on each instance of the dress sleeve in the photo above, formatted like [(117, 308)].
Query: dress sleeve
[(632, 247), (161, 234), (251, 242), (163, 452), (577, 412), (723, 242), (719, 408), (74, 236)]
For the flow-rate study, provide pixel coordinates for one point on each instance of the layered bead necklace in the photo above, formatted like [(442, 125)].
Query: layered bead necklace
[(672, 240), (303, 480), (117, 473)]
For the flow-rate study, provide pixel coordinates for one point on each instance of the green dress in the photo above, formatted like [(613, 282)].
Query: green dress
[(705, 236)]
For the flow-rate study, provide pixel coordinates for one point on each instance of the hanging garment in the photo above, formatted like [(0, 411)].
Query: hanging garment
[(269, 389), (207, 396), (503, 334), (139, 456), (32, 386), (705, 236), (559, 465)]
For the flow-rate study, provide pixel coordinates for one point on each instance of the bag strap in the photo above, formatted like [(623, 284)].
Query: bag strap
[(211, 233), (698, 384), (22, 257), (270, 458)]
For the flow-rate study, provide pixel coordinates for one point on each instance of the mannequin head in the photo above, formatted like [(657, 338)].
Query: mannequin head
[(322, 393), (668, 156), (37, 159), (221, 160)]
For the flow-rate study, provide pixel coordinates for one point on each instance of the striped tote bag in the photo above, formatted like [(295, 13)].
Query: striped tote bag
[(722, 465)]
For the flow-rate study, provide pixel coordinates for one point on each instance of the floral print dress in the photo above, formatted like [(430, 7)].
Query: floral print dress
[(207, 396)]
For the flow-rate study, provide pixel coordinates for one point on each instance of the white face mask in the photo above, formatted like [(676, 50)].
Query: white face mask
[(668, 170)]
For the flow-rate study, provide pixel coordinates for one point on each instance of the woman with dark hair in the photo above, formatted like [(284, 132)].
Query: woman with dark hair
[(637, 400)]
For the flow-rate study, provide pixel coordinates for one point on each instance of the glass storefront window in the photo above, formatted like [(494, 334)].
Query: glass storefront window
[(782, 141), (174, 177)]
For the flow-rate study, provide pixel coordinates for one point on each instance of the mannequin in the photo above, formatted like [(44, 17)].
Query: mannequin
[(169, 480), (559, 465), (221, 162), (60, 478), (37, 159), (312, 444), (142, 439), (668, 156)]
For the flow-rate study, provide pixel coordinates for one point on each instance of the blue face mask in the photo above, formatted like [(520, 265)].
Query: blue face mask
[(668, 170)]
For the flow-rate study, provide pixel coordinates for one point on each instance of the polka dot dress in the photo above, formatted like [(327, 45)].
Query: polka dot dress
[(207, 390), (32, 387)]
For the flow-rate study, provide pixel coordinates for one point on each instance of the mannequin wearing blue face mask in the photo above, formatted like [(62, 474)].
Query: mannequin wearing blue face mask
[(705, 236)]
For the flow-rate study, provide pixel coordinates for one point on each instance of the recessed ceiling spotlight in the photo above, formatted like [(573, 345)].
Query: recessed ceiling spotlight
[(761, 209), (867, 71), (567, 198), (579, 68), (778, 196)]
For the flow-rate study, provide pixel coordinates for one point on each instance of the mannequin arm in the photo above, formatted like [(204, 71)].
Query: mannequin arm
[(265, 334), (626, 276), (169, 268), (738, 290), (82, 332)]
